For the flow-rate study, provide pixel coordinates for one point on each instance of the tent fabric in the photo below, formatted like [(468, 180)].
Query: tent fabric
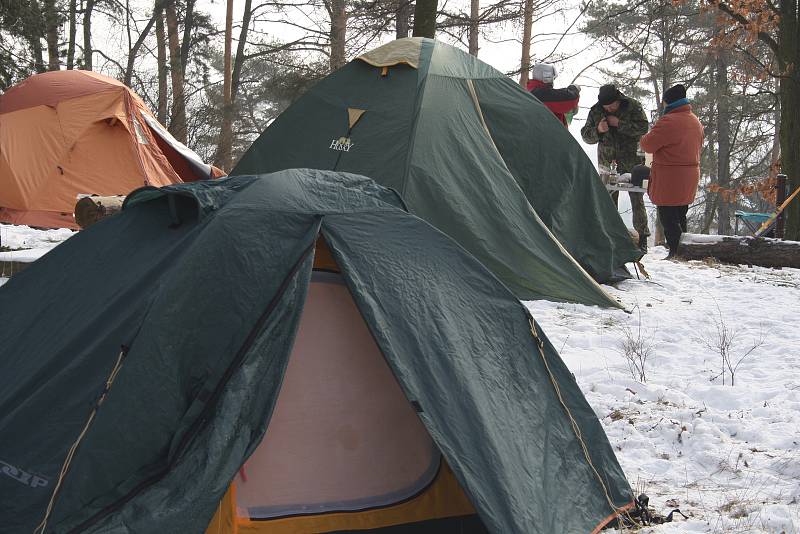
[(188, 156), (342, 436), (66, 133), (406, 51), (203, 286), (442, 504), (50, 88), (41, 219), (471, 153), (563, 188)]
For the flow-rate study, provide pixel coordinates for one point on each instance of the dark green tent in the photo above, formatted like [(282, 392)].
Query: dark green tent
[(178, 317), (470, 152)]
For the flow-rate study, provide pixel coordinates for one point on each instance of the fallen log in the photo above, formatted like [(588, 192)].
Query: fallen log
[(90, 209), (761, 251)]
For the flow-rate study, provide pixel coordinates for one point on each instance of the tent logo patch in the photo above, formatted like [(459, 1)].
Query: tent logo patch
[(343, 144), (23, 477)]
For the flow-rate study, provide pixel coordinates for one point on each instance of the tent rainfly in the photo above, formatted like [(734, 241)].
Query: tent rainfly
[(469, 151), (72, 132), (286, 353)]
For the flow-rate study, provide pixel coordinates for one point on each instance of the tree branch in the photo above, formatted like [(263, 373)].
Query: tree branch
[(742, 20)]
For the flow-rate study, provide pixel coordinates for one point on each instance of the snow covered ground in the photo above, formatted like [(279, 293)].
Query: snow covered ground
[(726, 452), (723, 449), (24, 237)]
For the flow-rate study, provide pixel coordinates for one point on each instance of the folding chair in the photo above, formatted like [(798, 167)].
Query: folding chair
[(752, 221)]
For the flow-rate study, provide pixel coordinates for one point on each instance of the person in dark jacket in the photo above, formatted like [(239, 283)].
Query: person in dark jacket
[(675, 142), (615, 124), (562, 102)]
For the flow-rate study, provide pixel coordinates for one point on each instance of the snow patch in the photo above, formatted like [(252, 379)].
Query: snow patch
[(701, 238), (25, 237), (727, 456), (24, 255)]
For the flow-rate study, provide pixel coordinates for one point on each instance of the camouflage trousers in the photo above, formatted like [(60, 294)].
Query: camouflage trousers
[(639, 212)]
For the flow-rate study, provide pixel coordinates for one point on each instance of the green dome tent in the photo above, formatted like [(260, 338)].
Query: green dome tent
[(158, 346), (470, 152)]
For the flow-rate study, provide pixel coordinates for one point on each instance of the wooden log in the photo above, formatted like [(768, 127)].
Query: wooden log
[(746, 250), (89, 210)]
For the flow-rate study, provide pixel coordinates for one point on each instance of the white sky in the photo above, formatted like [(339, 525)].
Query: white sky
[(500, 48)]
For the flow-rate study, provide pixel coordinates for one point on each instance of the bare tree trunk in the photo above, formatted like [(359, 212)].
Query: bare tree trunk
[(134, 51), (775, 152), (708, 214), (128, 27), (163, 68), (73, 31), (225, 140), (425, 18), (474, 15), (666, 54), (238, 61), (32, 26), (224, 155), (338, 33), (657, 92), (402, 16), (188, 27), (789, 59), (51, 22), (527, 31), (711, 139), (177, 123), (723, 141), (87, 35), (790, 158)]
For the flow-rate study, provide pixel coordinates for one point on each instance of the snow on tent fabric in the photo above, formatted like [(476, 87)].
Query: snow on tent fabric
[(299, 354), (470, 152), (66, 133)]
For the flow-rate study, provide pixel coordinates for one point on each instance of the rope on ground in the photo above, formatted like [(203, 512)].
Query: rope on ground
[(575, 428), (71, 453)]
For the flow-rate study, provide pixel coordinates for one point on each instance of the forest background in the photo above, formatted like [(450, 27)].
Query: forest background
[(738, 59)]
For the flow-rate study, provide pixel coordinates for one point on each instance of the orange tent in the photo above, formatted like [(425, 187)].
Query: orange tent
[(66, 133)]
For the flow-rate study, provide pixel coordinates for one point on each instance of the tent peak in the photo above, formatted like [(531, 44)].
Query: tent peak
[(400, 51), (50, 88)]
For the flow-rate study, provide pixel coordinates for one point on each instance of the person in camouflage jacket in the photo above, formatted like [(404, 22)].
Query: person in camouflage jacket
[(616, 123)]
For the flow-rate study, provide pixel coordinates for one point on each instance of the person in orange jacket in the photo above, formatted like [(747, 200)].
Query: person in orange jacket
[(675, 142)]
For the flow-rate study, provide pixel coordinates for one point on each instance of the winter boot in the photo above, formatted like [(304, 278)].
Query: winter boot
[(643, 244)]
